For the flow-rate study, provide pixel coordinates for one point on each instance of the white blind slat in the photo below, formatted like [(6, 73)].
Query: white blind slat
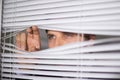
[(46, 6), (93, 56), (47, 3), (64, 68), (65, 20), (68, 74), (38, 78), (67, 62), (111, 11), (63, 9), (12, 1), (11, 4)]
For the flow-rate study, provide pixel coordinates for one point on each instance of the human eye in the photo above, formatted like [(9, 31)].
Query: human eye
[(51, 36)]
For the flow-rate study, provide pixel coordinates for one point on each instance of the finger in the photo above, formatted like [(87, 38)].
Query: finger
[(31, 49), (36, 37), (18, 42), (29, 30), (30, 44), (30, 33), (23, 41)]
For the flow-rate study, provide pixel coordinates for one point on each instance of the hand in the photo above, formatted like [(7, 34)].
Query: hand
[(30, 41)]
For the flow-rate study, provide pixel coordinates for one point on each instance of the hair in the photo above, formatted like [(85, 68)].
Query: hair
[(87, 36)]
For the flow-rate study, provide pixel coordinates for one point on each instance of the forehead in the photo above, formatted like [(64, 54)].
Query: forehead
[(53, 32)]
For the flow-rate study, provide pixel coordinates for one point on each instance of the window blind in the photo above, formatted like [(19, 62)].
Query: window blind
[(87, 60)]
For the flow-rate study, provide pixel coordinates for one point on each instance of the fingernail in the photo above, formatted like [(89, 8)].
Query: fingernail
[(38, 46)]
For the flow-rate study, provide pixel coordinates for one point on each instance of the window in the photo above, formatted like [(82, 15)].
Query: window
[(94, 56)]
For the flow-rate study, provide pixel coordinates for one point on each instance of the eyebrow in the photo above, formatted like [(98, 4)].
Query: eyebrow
[(68, 33), (71, 33), (50, 34)]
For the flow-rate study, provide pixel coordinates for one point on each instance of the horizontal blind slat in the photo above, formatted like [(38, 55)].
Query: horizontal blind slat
[(111, 11), (66, 62), (38, 78), (16, 7), (45, 2), (13, 1), (12, 4), (95, 56), (72, 74), (58, 68), (62, 9), (64, 20)]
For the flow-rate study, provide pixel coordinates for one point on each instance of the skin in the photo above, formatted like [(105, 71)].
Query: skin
[(31, 42), (57, 38)]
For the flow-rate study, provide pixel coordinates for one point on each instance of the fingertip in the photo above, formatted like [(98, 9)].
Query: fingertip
[(23, 34), (29, 30), (35, 30), (34, 27), (37, 46), (17, 37)]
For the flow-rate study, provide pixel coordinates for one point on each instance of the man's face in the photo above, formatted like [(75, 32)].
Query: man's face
[(57, 38)]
